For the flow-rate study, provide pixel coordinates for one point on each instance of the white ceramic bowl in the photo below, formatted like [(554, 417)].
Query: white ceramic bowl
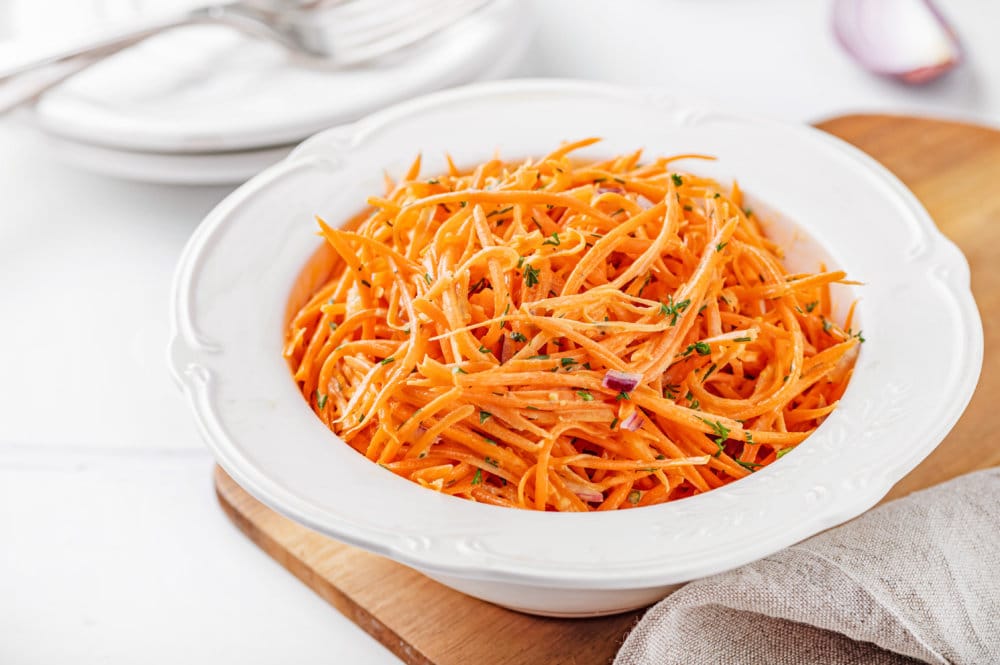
[(913, 378)]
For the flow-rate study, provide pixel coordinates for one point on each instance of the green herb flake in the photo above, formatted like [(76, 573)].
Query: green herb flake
[(489, 441), (747, 211), (518, 337), (781, 453), (483, 349), (743, 339), (484, 416), (721, 432), (567, 362), (716, 195), (502, 211), (435, 181), (749, 438), (530, 275), (361, 418), (620, 181), (458, 370), (478, 477), (333, 326), (811, 306), (585, 396), (366, 283), (613, 423), (826, 325), (540, 356), (622, 395), (491, 461), (721, 246), (386, 361), (321, 401), (678, 181), (709, 373), (749, 466), (696, 405), (554, 240), (427, 278), (702, 348), (688, 208), (674, 309), (634, 496), (618, 212)]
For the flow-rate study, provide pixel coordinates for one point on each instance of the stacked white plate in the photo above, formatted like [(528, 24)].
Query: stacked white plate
[(207, 105)]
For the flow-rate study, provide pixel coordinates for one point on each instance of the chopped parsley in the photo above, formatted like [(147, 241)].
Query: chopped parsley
[(634, 496), (540, 356), (613, 423), (554, 240), (811, 306), (742, 339), (674, 309), (749, 466), (567, 362), (491, 461), (721, 432), (427, 277), (478, 477), (781, 453), (622, 395), (721, 246), (502, 211), (333, 326), (386, 361), (678, 181), (321, 401), (483, 349), (530, 275), (458, 370), (585, 396), (484, 416), (366, 283), (518, 337)]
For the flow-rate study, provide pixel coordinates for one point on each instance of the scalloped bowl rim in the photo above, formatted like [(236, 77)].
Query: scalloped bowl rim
[(742, 521)]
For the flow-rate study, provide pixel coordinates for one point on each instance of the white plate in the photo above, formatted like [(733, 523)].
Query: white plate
[(211, 168), (235, 275), (209, 88)]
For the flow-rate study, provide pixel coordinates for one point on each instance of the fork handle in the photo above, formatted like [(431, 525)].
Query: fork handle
[(25, 81)]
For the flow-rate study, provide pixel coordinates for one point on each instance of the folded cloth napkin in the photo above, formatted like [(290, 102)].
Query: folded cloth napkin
[(916, 580)]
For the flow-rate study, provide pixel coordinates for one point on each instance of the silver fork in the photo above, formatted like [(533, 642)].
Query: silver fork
[(336, 34)]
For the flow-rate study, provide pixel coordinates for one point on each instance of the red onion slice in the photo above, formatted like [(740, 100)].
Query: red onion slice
[(623, 382), (908, 40), (585, 493), (633, 422)]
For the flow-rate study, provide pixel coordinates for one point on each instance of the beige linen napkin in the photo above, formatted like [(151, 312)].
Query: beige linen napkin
[(916, 580)]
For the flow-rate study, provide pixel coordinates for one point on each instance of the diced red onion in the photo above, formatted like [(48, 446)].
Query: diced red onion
[(585, 493), (908, 40), (623, 382), (633, 422), (605, 190)]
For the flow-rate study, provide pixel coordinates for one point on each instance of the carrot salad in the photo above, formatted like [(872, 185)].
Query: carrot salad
[(562, 334)]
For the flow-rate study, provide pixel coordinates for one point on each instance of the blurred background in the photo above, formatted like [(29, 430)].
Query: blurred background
[(110, 539)]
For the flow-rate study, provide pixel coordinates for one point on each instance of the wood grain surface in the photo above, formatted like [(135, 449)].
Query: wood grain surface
[(953, 169)]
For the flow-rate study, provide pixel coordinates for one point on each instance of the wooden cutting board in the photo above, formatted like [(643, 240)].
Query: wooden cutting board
[(953, 168)]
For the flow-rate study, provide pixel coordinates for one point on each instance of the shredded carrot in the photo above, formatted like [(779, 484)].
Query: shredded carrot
[(556, 334)]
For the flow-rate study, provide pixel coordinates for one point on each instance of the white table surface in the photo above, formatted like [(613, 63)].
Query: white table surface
[(112, 547)]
